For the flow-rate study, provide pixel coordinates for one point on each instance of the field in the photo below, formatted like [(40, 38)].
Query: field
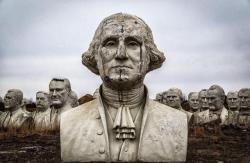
[(206, 144)]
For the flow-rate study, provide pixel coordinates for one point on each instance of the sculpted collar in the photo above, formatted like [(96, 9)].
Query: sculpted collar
[(131, 98), (123, 126)]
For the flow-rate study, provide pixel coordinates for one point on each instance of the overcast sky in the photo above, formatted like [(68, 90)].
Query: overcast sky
[(205, 42)]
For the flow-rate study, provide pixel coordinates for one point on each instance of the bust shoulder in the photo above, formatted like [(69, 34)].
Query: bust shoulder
[(83, 111), (164, 109)]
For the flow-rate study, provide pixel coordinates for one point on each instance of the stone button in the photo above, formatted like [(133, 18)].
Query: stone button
[(102, 150), (99, 132)]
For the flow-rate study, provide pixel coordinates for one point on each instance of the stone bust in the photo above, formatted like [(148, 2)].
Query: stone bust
[(42, 116), (233, 101), (14, 118), (244, 111), (123, 124), (193, 100), (203, 100), (216, 100), (61, 99), (174, 98)]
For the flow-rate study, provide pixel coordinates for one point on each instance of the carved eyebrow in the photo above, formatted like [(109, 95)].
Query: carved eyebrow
[(109, 38), (134, 38)]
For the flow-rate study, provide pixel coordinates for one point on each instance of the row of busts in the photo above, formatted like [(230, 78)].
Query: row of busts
[(211, 104), (48, 107)]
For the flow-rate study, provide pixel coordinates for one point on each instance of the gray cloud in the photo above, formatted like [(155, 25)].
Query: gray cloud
[(205, 42)]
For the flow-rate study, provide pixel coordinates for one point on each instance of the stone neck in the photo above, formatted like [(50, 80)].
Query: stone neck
[(13, 110), (131, 98), (217, 112)]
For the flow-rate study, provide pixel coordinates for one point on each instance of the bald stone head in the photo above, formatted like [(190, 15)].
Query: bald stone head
[(13, 99), (174, 98), (233, 100), (244, 97), (122, 52)]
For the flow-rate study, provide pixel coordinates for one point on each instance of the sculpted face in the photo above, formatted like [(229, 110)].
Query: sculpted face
[(194, 101), (233, 101), (42, 101), (122, 60), (214, 100), (10, 100), (173, 99), (244, 97), (203, 100), (58, 93), (158, 97)]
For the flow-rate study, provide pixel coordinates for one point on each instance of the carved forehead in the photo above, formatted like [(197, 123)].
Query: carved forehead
[(57, 83), (176, 92), (194, 95), (213, 92), (232, 94), (126, 27), (14, 92), (41, 94), (245, 92)]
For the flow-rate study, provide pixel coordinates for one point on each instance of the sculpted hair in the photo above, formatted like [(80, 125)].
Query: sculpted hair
[(203, 90), (220, 90), (156, 57), (18, 95), (192, 93), (243, 90), (65, 81), (232, 92), (179, 92), (45, 93)]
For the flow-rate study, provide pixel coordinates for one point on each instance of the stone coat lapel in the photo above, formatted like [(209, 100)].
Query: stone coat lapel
[(84, 135)]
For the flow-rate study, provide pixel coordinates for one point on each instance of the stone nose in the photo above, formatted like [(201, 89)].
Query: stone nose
[(54, 93), (121, 52)]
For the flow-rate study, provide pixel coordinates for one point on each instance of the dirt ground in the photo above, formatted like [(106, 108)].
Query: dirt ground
[(206, 144)]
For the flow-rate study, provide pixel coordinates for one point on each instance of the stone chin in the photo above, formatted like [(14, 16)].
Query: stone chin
[(7, 106), (57, 103), (195, 108), (122, 78)]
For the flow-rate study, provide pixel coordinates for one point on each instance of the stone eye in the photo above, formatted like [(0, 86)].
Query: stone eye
[(133, 43), (110, 43)]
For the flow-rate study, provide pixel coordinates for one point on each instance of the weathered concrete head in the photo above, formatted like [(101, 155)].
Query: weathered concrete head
[(174, 97), (216, 97), (42, 101), (73, 99), (244, 97), (122, 51), (203, 100), (158, 97), (193, 100), (59, 90), (220, 90), (233, 100), (13, 99)]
